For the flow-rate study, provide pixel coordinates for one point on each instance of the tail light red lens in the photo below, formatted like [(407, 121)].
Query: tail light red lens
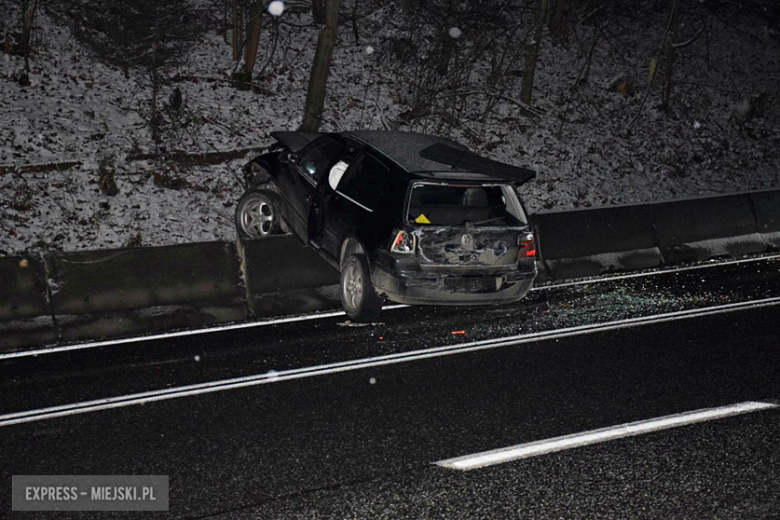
[(404, 243), (527, 246)]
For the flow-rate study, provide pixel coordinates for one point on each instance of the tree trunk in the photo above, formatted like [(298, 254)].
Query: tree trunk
[(448, 45), (253, 27), (666, 95), (318, 11), (236, 32), (225, 18), (155, 132), (586, 73), (354, 22), (28, 16), (315, 96), (533, 53), (559, 23)]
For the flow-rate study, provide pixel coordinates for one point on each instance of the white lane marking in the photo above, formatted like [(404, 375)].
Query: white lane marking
[(601, 279), (179, 334), (322, 315), (359, 364), (567, 442)]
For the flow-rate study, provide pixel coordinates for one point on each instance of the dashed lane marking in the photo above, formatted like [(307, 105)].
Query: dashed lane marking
[(621, 431)]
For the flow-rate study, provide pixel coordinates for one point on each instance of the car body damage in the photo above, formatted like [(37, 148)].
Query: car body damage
[(448, 247), (407, 217)]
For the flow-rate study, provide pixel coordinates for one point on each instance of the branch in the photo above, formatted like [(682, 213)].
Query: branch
[(593, 12), (526, 109), (217, 123), (531, 111), (128, 60), (688, 42), (580, 77), (180, 78), (34, 168), (655, 73), (354, 22)]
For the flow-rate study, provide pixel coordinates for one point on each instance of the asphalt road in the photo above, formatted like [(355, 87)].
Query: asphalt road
[(319, 419)]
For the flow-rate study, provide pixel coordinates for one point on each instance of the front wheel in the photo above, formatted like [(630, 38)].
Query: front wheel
[(360, 301), (257, 214)]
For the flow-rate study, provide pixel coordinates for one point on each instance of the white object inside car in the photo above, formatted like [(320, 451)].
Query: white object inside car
[(336, 173)]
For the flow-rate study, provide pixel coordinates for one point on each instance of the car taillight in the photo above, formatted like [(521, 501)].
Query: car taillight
[(404, 243), (527, 246)]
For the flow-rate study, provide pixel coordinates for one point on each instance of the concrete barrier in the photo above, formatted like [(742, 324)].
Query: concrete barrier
[(97, 294), (766, 205), (695, 230), (282, 276), (593, 241), (25, 314), (542, 275)]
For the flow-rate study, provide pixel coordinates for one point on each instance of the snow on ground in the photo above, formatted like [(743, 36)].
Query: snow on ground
[(79, 109)]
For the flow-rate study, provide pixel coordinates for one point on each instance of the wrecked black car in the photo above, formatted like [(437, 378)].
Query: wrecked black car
[(408, 217)]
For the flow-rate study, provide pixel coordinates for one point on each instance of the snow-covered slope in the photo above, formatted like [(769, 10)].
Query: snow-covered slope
[(77, 108)]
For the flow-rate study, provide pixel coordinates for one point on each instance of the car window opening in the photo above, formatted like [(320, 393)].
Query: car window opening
[(315, 158), (464, 206), (364, 181)]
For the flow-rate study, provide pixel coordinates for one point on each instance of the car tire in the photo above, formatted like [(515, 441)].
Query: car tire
[(360, 301), (258, 214)]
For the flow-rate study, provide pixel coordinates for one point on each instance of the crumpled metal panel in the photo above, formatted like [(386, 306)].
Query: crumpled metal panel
[(463, 247)]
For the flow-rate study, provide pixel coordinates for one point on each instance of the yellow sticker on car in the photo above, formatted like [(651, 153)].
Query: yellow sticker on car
[(422, 219)]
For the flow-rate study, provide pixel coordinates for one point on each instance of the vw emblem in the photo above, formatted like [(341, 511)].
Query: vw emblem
[(467, 240)]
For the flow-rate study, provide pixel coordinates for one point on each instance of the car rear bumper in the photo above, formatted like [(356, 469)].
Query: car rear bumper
[(427, 288)]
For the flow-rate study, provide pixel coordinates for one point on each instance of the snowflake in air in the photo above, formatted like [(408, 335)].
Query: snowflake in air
[(276, 8)]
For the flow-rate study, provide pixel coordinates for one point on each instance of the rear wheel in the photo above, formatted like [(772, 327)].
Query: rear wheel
[(360, 301), (257, 214)]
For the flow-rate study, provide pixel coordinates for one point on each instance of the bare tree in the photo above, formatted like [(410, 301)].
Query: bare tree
[(674, 27), (653, 64), (671, 50), (447, 43), (315, 96), (533, 53), (149, 36), (559, 22), (318, 10), (28, 15), (253, 28), (237, 29)]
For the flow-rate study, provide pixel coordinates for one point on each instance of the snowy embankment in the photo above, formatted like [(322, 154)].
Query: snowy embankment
[(77, 109)]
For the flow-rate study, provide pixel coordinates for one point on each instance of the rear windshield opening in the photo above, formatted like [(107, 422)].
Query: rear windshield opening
[(464, 206)]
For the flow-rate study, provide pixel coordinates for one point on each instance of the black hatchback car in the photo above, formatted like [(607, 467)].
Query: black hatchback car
[(403, 216)]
